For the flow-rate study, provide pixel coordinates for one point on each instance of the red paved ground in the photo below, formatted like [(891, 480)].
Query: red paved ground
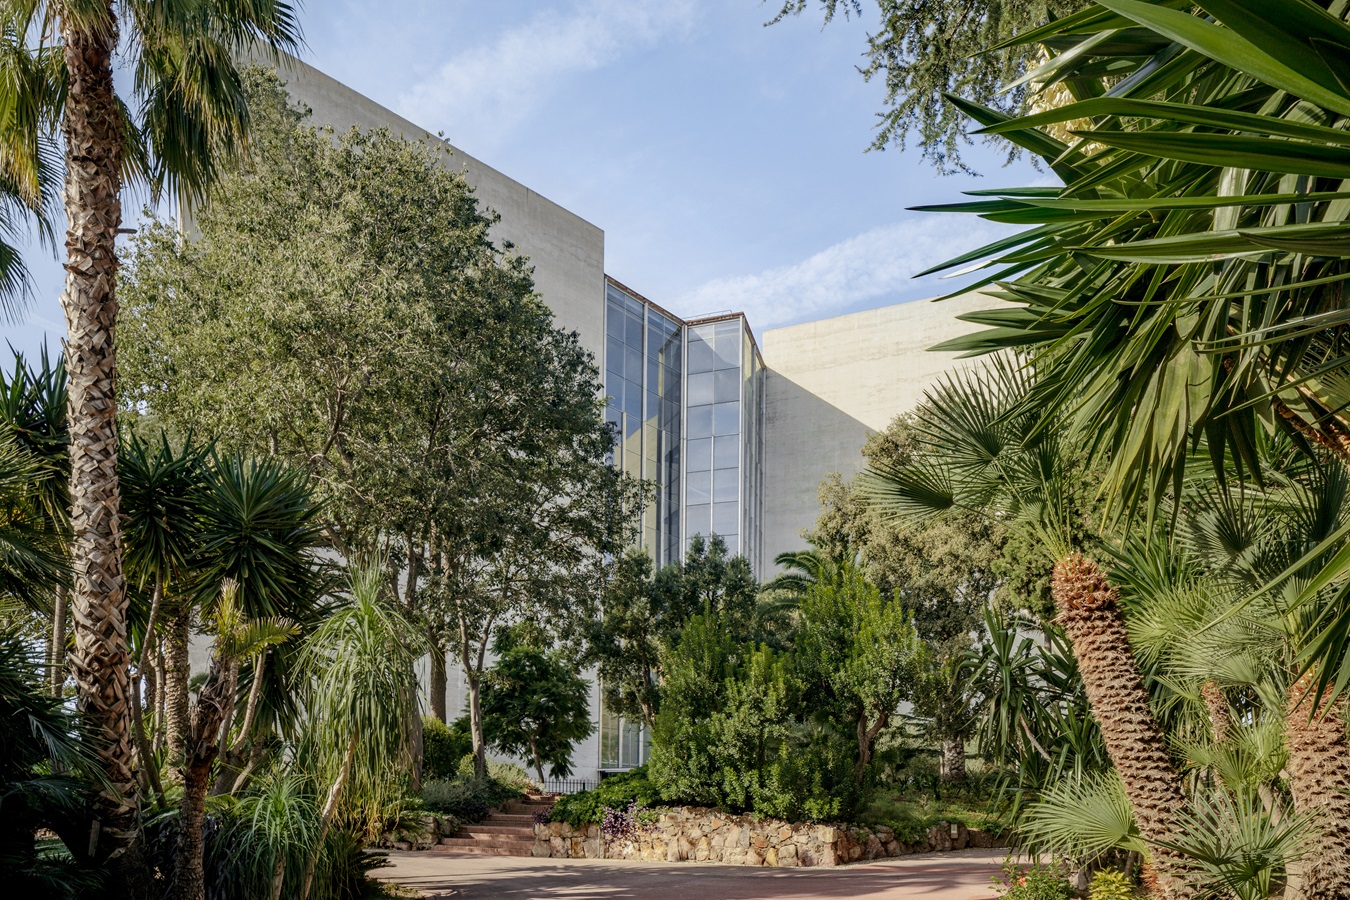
[(964, 875)]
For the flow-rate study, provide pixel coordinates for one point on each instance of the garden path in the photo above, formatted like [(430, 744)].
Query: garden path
[(962, 875)]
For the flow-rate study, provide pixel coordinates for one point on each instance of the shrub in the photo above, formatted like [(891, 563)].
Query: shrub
[(630, 823), (443, 746), (1111, 884), (1033, 882), (615, 792), (506, 773), (467, 799)]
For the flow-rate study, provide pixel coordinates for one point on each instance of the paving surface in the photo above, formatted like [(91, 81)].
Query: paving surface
[(964, 875)]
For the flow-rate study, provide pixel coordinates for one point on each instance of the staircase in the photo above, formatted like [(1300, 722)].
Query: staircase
[(507, 831)]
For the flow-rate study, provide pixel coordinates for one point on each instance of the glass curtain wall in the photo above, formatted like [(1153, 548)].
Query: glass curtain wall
[(644, 357), (713, 394)]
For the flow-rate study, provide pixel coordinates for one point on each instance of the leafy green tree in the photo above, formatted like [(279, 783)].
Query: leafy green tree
[(861, 652), (640, 613), (944, 574), (449, 426), (924, 51), (535, 706), (186, 112)]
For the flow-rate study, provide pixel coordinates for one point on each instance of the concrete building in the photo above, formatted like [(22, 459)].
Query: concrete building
[(735, 434)]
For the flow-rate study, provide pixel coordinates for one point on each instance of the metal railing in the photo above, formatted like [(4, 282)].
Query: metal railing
[(568, 785)]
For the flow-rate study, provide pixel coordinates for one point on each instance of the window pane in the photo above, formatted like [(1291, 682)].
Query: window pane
[(700, 421), (701, 388), (726, 451), (696, 519), (632, 331), (726, 484), (701, 356), (700, 454), (726, 518), (726, 418), (728, 385), (699, 487), (632, 363), (614, 355)]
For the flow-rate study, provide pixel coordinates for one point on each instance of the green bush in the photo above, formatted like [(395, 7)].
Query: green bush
[(1033, 882), (467, 799), (443, 746), (1111, 884), (614, 792), (506, 773)]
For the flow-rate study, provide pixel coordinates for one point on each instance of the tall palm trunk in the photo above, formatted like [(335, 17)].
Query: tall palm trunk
[(1089, 612), (1319, 779), (93, 135)]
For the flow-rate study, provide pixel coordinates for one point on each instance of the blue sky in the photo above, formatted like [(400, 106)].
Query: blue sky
[(724, 160)]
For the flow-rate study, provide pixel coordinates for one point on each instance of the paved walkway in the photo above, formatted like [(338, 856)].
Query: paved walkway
[(964, 875)]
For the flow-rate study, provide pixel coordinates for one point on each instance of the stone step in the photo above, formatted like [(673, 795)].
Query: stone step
[(491, 846), (492, 837), (473, 850), (509, 819), (489, 828)]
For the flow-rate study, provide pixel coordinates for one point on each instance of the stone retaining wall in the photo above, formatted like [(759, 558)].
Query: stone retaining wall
[(708, 835)]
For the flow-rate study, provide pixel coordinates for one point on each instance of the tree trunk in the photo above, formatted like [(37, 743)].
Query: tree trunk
[(330, 807), (57, 674), (92, 128), (232, 756), (177, 673), (161, 701), (436, 687), (1089, 612), (1319, 779), (867, 737), (476, 723), (217, 696), (1220, 720), (538, 764), (952, 765)]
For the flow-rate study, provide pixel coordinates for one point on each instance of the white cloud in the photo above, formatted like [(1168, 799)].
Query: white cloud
[(876, 265), (488, 90)]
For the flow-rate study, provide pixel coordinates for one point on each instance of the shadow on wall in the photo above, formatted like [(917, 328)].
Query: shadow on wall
[(805, 439)]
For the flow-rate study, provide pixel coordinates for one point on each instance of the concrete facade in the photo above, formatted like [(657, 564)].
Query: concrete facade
[(832, 383)]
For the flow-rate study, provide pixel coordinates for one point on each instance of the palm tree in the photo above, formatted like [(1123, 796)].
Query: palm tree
[(33, 412), (235, 639), (362, 710), (190, 114), (985, 455), (163, 490), (1186, 283)]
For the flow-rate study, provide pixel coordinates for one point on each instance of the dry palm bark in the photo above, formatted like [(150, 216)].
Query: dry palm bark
[(1089, 611), (1319, 779), (92, 129)]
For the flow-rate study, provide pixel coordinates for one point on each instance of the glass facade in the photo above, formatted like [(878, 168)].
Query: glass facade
[(623, 744), (686, 401), (643, 364), (723, 424)]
